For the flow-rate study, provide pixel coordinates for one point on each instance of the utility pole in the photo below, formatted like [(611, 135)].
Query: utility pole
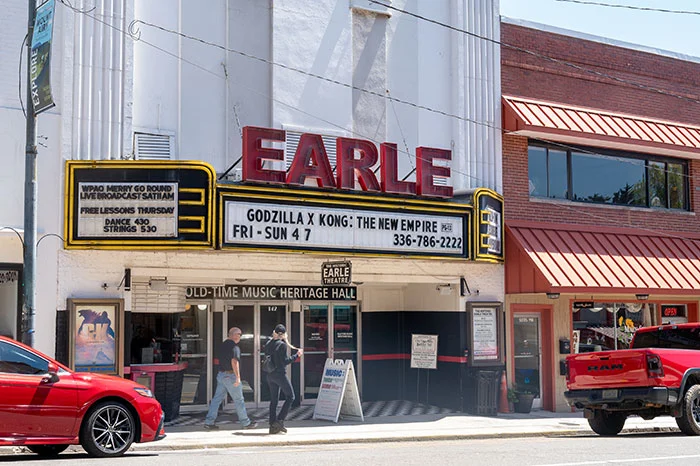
[(30, 191)]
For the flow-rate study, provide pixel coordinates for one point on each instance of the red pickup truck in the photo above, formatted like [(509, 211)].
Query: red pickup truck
[(658, 376)]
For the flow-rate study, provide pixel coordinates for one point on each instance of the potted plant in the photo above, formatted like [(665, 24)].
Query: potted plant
[(522, 400)]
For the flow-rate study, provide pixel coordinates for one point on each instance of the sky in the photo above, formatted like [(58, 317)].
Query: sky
[(674, 32)]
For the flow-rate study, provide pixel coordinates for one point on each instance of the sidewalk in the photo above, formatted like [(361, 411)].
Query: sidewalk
[(394, 428)]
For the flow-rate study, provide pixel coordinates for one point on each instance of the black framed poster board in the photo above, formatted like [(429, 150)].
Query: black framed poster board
[(485, 333)]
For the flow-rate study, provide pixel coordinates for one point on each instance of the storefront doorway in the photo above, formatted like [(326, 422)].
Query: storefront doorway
[(191, 337), (320, 344), (527, 336), (257, 321)]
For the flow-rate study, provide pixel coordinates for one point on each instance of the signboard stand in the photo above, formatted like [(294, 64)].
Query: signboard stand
[(338, 394), (424, 351)]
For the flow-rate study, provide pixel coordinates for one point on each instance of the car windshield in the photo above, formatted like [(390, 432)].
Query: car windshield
[(676, 338)]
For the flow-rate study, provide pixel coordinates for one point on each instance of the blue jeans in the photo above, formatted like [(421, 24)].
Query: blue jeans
[(224, 383)]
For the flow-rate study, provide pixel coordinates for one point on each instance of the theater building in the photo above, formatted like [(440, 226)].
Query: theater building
[(333, 166), (600, 153)]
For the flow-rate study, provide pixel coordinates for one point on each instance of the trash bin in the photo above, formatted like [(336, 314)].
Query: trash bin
[(481, 390)]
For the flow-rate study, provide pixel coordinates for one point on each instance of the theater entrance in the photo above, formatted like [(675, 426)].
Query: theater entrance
[(320, 344), (257, 320)]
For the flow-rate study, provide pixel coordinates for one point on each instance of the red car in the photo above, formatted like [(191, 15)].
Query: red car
[(45, 406)]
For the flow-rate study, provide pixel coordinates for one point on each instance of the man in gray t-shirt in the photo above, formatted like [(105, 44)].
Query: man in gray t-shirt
[(229, 380)]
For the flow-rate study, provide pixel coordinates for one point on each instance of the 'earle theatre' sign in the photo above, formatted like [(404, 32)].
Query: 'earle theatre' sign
[(144, 204)]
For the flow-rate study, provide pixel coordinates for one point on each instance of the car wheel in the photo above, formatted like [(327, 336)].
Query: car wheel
[(109, 430), (47, 451), (689, 420), (607, 423)]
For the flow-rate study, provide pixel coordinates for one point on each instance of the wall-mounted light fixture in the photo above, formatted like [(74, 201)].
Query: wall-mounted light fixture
[(241, 280), (642, 296), (202, 307), (553, 295), (158, 283)]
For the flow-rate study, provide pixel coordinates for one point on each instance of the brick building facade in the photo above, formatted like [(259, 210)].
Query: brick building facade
[(583, 267)]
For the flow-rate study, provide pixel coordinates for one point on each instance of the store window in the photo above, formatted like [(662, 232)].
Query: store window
[(607, 177), (169, 337), (608, 326)]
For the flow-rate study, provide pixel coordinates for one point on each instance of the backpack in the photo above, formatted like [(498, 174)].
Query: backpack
[(267, 364)]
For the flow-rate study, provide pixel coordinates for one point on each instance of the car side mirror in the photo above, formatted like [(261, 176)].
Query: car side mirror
[(52, 374)]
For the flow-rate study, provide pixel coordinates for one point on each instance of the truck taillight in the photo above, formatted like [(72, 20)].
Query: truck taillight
[(654, 366)]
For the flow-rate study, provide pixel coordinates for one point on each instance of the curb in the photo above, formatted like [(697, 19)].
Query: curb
[(407, 438), (282, 442)]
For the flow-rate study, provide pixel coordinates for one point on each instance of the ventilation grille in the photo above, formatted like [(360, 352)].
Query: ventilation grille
[(148, 146), (292, 143), (170, 300)]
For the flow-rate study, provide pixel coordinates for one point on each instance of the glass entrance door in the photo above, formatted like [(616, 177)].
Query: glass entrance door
[(527, 355), (320, 344), (256, 321), (191, 339)]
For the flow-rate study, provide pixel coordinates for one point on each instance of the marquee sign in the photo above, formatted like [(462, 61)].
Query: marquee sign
[(360, 226), (488, 226), (144, 204)]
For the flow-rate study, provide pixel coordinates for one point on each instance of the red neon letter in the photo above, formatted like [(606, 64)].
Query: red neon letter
[(426, 171), (390, 175), (254, 154), (311, 161), (348, 166)]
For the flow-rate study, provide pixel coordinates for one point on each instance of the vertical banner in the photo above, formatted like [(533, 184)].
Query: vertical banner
[(40, 59)]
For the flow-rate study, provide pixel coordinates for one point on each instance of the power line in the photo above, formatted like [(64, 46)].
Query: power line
[(631, 7), (540, 55), (135, 35)]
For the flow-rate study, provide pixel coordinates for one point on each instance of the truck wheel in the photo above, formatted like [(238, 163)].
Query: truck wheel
[(689, 420), (607, 423)]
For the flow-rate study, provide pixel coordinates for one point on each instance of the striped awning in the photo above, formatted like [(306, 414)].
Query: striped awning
[(564, 123), (573, 259)]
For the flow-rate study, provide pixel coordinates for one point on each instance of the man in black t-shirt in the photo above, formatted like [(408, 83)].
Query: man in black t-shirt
[(229, 380)]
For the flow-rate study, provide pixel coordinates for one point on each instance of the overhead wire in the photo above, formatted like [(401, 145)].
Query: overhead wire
[(135, 34), (538, 54), (631, 7), (578, 209)]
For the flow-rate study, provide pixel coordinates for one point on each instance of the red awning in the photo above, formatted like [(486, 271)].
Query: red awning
[(576, 259), (564, 123)]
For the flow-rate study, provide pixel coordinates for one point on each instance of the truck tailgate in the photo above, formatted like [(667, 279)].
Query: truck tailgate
[(622, 368)]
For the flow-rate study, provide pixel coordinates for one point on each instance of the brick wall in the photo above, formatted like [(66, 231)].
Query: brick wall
[(527, 76)]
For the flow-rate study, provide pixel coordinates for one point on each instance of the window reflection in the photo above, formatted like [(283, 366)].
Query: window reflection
[(609, 326), (607, 178), (676, 186)]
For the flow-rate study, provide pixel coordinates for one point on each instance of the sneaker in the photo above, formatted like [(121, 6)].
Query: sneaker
[(281, 427), (252, 425), (211, 427)]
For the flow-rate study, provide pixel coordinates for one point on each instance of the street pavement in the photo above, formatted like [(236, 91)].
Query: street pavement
[(394, 429)]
